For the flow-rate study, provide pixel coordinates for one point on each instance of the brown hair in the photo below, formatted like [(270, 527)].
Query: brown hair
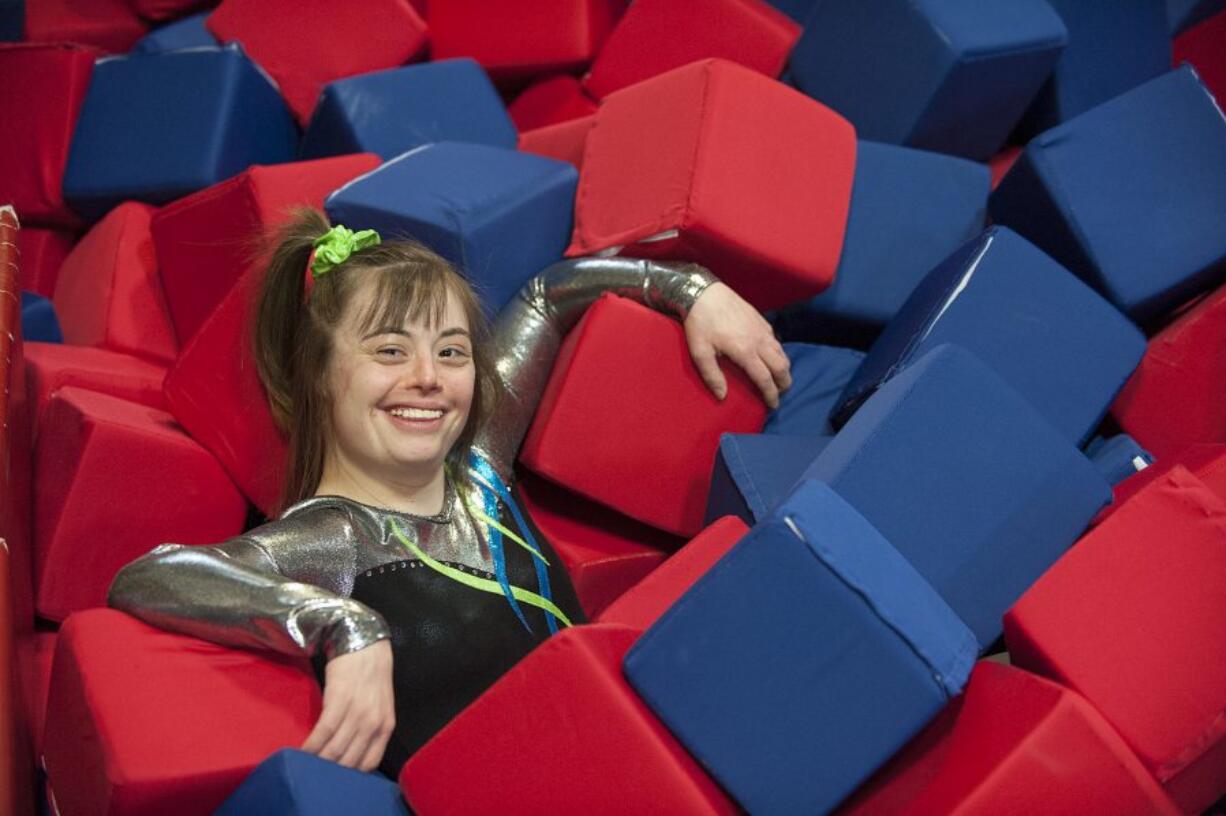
[(293, 335)]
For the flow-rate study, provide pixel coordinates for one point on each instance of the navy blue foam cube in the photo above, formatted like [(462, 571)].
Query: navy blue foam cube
[(819, 375), (754, 472), (1129, 195), (803, 659), (12, 20), (1118, 457), (909, 210), (798, 10), (294, 783), (155, 127), (1050, 336), (389, 112), (189, 32), (38, 319), (976, 489), (1112, 47), (500, 215), (952, 76), (1183, 14)]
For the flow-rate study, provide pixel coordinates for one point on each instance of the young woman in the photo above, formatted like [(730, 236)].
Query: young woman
[(402, 561)]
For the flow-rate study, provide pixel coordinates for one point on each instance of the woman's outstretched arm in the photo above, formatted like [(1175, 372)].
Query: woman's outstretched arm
[(530, 329)]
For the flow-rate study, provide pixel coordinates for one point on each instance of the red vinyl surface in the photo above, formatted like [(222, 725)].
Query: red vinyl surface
[(42, 253), (564, 141), (549, 102)]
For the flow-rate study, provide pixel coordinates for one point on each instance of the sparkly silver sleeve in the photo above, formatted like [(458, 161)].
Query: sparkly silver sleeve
[(282, 586), (530, 329)]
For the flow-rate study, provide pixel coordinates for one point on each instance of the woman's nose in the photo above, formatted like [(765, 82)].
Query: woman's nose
[(422, 372)]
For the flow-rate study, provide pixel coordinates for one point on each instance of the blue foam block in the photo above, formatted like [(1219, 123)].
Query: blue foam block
[(1129, 195), (389, 112), (1112, 47), (155, 127), (500, 215), (952, 76), (803, 659), (1183, 14), (976, 489), (909, 210), (294, 783), (798, 10), (819, 375), (38, 319), (1118, 457), (12, 20), (753, 473), (189, 32), (1050, 336)]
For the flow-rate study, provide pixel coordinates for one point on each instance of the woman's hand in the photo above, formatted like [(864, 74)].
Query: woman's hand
[(722, 323), (359, 712)]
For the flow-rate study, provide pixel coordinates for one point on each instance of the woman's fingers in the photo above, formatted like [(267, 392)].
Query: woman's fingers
[(761, 376), (326, 727), (707, 363), (780, 366)]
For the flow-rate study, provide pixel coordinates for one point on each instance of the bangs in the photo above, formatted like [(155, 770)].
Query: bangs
[(407, 293)]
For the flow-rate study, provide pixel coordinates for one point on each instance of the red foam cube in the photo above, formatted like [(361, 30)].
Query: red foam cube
[(515, 40), (304, 46), (207, 240), (656, 36), (626, 421), (110, 25), (115, 479), (562, 732), (52, 366), (1204, 46), (34, 654), (564, 141), (604, 552), (717, 164), (1206, 462), (549, 102), (41, 96), (1174, 398), (1131, 619), (108, 293), (42, 254), (214, 392), (651, 597), (144, 721), (166, 10)]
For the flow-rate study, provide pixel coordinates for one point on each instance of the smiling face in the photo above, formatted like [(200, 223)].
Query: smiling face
[(400, 394)]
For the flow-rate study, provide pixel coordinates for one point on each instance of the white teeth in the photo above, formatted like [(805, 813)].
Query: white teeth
[(415, 413)]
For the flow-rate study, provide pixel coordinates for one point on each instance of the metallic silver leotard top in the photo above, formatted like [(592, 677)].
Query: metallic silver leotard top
[(286, 585)]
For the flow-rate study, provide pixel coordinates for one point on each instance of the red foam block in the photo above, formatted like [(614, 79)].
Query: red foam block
[(626, 421), (143, 721), (1204, 45), (1003, 162), (1174, 398), (34, 663), (604, 553), (214, 392), (42, 254), (108, 293), (515, 40), (115, 479), (41, 96), (650, 598), (549, 102), (52, 366), (1206, 462), (656, 36), (110, 25), (166, 10), (564, 141), (562, 732), (717, 164), (207, 240), (1130, 618), (304, 46)]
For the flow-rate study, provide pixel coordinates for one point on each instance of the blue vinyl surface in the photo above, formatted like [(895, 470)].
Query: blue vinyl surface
[(500, 215), (294, 783), (12, 20), (155, 127), (1046, 333), (1112, 47), (1129, 195), (390, 112), (753, 473), (38, 319), (798, 10), (1183, 14), (952, 76), (976, 489), (819, 375), (909, 210), (803, 659), (1118, 457), (186, 33)]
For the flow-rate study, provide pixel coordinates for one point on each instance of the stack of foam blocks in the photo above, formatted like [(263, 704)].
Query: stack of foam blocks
[(974, 563)]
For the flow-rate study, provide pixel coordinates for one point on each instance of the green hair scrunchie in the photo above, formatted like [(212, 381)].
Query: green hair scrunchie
[(337, 244)]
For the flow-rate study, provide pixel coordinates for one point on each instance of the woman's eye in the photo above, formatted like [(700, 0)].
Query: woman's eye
[(389, 351), (453, 353)]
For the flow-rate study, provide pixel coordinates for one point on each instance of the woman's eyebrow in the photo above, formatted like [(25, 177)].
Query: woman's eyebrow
[(454, 330), (451, 332)]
